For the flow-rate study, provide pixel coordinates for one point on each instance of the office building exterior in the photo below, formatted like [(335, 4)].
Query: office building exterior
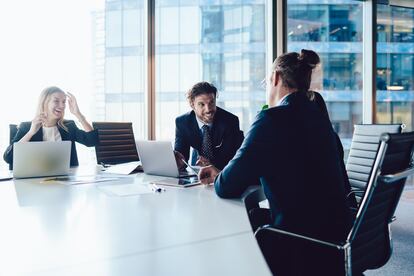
[(224, 42)]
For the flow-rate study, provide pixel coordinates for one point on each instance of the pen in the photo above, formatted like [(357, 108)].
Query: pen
[(191, 168), (155, 188)]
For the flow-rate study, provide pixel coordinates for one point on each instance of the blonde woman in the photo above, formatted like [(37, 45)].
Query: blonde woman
[(49, 124)]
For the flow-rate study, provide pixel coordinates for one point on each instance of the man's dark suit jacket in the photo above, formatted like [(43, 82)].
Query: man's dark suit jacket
[(74, 134), (227, 136), (293, 150)]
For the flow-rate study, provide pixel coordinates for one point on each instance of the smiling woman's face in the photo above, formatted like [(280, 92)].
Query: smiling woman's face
[(55, 106)]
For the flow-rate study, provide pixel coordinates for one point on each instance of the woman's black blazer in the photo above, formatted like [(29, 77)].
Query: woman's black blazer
[(74, 134)]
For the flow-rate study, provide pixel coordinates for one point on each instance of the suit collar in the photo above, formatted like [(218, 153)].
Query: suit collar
[(63, 133), (194, 129), (38, 136), (200, 123), (282, 100), (218, 128), (295, 97)]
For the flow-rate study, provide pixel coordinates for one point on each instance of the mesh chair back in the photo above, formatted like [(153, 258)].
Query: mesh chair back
[(365, 141), (370, 237), (116, 143)]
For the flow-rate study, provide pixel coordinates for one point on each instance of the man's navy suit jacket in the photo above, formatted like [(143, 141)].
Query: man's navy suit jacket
[(226, 133), (293, 150)]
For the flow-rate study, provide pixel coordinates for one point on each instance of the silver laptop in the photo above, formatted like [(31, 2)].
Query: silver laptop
[(36, 159), (157, 158)]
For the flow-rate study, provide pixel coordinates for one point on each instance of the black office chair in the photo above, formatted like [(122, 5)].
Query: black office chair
[(116, 143), (257, 216), (12, 132), (365, 141), (368, 245)]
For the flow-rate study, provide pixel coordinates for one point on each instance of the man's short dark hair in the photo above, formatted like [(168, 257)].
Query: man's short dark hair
[(201, 88)]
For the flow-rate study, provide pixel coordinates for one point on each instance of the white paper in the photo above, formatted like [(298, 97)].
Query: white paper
[(76, 180), (126, 189), (124, 168)]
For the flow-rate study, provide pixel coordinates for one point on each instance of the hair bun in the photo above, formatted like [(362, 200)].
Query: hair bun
[(309, 57)]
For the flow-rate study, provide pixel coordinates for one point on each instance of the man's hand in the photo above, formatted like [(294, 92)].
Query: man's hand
[(203, 162), (179, 157), (208, 174)]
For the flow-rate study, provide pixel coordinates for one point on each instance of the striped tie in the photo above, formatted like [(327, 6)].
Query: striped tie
[(207, 145)]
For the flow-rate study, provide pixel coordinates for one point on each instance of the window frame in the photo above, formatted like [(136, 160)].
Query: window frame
[(276, 44)]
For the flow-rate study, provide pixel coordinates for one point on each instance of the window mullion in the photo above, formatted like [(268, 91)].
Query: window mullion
[(369, 45)]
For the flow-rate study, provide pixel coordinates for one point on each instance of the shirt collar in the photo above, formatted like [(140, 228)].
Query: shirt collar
[(201, 123), (281, 101)]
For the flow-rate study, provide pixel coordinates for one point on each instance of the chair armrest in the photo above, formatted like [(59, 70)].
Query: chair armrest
[(279, 232), (356, 192), (252, 197), (398, 175), (283, 250)]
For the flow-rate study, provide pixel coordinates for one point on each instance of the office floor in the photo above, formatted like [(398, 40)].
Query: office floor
[(402, 259)]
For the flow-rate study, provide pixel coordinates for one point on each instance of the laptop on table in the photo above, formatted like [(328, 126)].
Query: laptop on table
[(38, 159), (157, 158)]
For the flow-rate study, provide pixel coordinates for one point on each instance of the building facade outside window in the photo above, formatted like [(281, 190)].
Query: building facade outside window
[(223, 43), (124, 93), (334, 31), (395, 65), (220, 42)]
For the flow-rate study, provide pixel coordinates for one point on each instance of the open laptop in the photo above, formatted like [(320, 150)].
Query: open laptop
[(37, 159), (157, 158)]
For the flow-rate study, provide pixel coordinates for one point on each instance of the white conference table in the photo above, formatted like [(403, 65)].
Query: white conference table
[(55, 229)]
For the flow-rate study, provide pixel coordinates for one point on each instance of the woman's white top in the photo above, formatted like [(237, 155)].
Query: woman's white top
[(51, 134)]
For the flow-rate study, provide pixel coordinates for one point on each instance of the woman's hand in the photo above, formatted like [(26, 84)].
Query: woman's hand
[(37, 123), (73, 106), (74, 109)]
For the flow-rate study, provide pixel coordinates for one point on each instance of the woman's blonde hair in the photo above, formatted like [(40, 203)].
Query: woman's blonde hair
[(44, 99)]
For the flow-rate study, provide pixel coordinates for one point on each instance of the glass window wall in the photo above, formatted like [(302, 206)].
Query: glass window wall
[(333, 29), (395, 65), (222, 43), (125, 66)]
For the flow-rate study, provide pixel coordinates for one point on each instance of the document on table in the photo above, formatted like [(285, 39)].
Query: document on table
[(126, 189), (76, 180), (125, 168)]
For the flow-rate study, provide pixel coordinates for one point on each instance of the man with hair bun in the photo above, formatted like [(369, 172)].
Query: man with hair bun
[(292, 149)]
